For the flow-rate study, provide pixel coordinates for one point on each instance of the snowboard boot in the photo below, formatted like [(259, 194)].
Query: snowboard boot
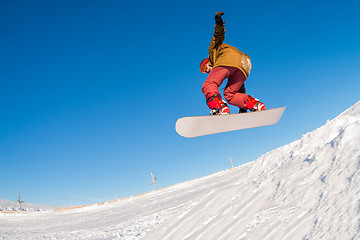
[(217, 105), (254, 104)]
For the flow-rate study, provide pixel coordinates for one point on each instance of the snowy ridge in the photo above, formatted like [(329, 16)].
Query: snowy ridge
[(308, 189), (11, 206)]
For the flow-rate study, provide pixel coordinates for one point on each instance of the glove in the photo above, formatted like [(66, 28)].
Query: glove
[(218, 19)]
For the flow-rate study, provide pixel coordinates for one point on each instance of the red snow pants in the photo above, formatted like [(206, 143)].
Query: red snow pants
[(235, 78)]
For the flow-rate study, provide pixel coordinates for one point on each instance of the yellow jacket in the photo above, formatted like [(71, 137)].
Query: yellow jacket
[(222, 54)]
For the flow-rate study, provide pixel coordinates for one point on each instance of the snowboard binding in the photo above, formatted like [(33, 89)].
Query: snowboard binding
[(217, 105), (254, 104)]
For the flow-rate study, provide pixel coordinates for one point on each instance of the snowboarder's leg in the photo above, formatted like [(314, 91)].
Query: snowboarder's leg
[(210, 89), (215, 78), (236, 97), (232, 92)]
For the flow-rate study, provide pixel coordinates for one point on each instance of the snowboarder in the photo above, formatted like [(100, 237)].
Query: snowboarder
[(226, 61)]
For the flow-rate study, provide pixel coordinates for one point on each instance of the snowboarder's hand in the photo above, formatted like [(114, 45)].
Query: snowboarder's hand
[(218, 19)]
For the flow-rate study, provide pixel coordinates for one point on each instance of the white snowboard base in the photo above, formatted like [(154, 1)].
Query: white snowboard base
[(204, 125)]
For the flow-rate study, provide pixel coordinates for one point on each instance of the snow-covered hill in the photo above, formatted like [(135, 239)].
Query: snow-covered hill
[(8, 206), (308, 189)]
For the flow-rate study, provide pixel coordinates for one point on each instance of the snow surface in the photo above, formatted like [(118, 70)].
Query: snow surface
[(308, 189)]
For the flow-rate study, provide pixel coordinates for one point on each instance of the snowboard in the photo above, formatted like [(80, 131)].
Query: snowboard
[(205, 125)]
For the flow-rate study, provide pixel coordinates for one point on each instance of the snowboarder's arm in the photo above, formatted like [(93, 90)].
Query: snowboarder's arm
[(219, 33), (218, 38)]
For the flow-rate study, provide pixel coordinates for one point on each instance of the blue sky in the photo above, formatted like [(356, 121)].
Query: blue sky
[(90, 90)]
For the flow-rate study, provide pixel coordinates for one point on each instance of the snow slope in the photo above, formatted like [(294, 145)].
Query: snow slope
[(308, 189), (6, 205)]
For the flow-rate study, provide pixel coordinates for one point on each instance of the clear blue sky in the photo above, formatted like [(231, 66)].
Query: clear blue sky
[(90, 90)]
